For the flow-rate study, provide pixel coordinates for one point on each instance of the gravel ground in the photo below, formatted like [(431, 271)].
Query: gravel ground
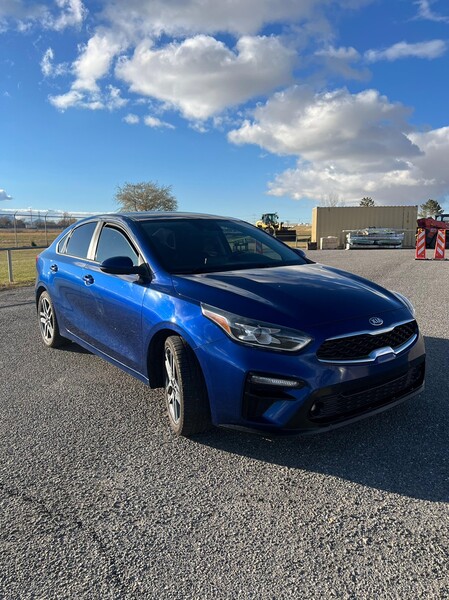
[(99, 500)]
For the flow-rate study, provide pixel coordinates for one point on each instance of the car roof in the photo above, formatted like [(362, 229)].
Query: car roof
[(154, 215)]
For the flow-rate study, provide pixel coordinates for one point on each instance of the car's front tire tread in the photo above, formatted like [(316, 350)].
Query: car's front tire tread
[(193, 408)]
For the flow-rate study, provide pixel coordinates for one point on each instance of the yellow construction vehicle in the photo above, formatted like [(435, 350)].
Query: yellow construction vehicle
[(270, 223)]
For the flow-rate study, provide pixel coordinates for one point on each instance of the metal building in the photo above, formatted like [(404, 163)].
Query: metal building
[(336, 221)]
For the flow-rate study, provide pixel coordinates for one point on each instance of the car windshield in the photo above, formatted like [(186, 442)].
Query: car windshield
[(195, 245)]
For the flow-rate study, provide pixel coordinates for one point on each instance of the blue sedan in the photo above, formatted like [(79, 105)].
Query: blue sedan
[(237, 328)]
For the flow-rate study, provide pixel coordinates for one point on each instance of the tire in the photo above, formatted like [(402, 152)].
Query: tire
[(185, 391), (270, 230), (48, 325)]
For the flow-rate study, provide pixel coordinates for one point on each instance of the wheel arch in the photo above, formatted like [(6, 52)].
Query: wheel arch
[(155, 356), (39, 289)]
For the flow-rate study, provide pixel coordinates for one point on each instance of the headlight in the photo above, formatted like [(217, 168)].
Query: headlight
[(256, 333), (406, 302)]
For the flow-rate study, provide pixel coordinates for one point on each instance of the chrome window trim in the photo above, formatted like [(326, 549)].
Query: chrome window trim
[(117, 226), (61, 245), (62, 249)]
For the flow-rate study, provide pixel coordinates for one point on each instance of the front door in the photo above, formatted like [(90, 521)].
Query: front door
[(114, 302)]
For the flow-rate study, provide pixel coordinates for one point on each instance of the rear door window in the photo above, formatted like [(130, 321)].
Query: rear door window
[(79, 242)]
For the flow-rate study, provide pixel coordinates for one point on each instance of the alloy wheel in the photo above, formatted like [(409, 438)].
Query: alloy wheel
[(172, 388), (46, 319)]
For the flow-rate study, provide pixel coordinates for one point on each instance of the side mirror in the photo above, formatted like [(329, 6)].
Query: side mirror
[(121, 265), (301, 253)]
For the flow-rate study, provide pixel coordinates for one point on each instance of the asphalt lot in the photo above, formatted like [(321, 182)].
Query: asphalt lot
[(99, 500)]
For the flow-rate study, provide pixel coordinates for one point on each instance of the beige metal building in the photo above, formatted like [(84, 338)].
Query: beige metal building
[(336, 221)]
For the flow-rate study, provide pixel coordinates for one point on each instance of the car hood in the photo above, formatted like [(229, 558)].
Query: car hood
[(301, 296)]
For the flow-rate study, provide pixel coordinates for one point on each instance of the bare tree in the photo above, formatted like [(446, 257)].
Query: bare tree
[(5, 222), (331, 199), (146, 195), (65, 221)]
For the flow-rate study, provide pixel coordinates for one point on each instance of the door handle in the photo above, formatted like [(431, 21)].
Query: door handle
[(88, 279), (54, 268)]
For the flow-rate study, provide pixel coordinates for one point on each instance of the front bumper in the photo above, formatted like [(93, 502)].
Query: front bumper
[(327, 395)]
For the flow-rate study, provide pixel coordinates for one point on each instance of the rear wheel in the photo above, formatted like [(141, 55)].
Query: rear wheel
[(185, 390), (48, 325)]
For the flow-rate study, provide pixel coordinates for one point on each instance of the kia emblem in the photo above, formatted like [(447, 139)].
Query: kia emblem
[(376, 321)]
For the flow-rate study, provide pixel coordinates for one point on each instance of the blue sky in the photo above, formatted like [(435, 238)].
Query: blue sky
[(243, 106)]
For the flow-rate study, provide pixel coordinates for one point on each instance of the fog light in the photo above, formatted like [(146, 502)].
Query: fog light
[(276, 381), (315, 409)]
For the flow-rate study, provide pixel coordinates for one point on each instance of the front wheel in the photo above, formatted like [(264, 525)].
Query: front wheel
[(185, 390), (48, 325)]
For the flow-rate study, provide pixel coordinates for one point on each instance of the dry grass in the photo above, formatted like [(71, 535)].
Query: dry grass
[(23, 265), (27, 237), (304, 230), (303, 233), (23, 261)]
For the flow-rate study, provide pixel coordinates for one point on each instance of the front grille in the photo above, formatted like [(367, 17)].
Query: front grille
[(326, 409), (359, 347)]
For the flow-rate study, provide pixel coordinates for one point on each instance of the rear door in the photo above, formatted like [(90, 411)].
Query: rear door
[(67, 272)]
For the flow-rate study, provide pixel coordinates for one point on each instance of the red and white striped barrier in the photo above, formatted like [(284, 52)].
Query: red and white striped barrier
[(440, 245), (420, 252)]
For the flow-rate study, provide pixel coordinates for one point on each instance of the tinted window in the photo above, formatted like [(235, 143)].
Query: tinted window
[(114, 243), (78, 244), (62, 243), (244, 247), (207, 245)]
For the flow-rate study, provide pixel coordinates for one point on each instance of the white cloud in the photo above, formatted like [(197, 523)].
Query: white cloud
[(429, 50), (131, 119), (4, 196), (92, 65), (341, 53), (201, 76), (156, 123), (363, 129), (56, 15), (110, 99), (350, 145), (47, 62), (72, 14), (18, 9), (195, 73), (95, 59), (187, 17), (391, 187), (67, 100), (425, 12), (425, 177), (48, 68), (339, 61)]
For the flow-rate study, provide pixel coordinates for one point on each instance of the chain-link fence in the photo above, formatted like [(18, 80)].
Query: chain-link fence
[(21, 228), (22, 233)]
